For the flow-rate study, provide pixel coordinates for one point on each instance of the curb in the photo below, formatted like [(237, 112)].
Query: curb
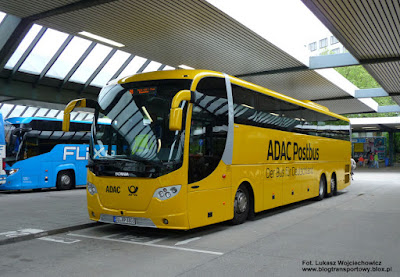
[(49, 233)]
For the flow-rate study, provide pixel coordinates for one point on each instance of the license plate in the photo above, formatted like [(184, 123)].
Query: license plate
[(125, 220)]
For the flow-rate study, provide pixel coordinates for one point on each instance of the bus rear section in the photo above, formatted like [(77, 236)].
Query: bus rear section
[(40, 155)]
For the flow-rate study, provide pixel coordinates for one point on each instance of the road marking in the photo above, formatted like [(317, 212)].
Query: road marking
[(155, 240), (187, 241), (60, 240), (149, 244), (22, 232)]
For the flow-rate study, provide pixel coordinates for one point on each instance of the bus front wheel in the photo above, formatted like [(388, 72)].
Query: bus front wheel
[(65, 180), (241, 205)]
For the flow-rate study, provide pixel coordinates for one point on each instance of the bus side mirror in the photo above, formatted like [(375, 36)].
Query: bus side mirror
[(77, 103), (68, 109), (175, 119)]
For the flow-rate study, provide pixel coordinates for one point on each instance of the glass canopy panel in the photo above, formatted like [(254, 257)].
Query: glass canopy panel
[(132, 67), (169, 68), (90, 64), (30, 111), (17, 111), (153, 66), (43, 51), (30, 36), (42, 112), (110, 68), (80, 116), (60, 115), (6, 108), (2, 16), (68, 58), (52, 113)]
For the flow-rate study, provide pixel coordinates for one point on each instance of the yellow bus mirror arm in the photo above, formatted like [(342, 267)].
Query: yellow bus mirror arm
[(175, 118), (183, 95), (77, 103)]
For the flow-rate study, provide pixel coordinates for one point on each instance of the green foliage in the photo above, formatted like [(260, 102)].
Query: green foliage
[(358, 76)]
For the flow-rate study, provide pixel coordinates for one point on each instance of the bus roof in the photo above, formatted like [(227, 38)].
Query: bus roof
[(26, 120), (192, 73)]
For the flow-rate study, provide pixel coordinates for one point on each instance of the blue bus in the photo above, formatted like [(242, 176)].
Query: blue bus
[(2, 151), (40, 155)]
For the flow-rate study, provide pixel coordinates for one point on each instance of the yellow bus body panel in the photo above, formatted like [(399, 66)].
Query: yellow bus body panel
[(273, 182)]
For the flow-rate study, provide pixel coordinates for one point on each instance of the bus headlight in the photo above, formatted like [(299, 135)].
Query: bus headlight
[(167, 192), (12, 171), (91, 188)]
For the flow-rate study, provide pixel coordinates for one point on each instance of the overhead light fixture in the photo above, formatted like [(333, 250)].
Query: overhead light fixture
[(370, 128), (99, 38), (185, 66)]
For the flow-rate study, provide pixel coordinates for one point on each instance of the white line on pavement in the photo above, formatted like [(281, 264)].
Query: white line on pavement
[(149, 244), (187, 241), (60, 240)]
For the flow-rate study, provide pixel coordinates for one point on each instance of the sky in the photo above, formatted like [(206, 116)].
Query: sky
[(288, 24)]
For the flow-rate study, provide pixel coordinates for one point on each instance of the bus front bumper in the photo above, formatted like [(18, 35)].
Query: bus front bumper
[(157, 215)]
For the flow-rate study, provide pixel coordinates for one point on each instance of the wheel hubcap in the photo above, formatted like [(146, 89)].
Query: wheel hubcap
[(332, 185), (65, 179), (240, 202)]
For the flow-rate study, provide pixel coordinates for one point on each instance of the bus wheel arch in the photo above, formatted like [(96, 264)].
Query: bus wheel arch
[(333, 184), (322, 188), (65, 179), (243, 206)]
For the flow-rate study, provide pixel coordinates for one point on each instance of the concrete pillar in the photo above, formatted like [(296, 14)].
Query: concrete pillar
[(392, 148)]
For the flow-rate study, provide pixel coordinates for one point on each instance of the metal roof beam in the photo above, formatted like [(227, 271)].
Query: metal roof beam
[(23, 90), (27, 52), (99, 68), (370, 92), (83, 4), (77, 64), (329, 61), (161, 67), (386, 128), (143, 67), (275, 71), (13, 31), (54, 59), (123, 66), (389, 109)]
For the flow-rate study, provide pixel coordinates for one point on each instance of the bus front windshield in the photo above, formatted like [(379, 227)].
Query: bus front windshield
[(131, 135)]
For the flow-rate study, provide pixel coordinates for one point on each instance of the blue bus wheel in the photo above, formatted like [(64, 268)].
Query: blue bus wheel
[(65, 180)]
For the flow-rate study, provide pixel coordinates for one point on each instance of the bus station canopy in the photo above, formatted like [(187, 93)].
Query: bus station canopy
[(157, 35), (370, 32)]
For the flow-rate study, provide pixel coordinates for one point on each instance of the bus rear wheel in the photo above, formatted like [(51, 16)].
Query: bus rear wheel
[(333, 186), (65, 180), (241, 206), (321, 190)]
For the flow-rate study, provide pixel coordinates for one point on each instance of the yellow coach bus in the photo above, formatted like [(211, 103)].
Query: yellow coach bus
[(188, 148)]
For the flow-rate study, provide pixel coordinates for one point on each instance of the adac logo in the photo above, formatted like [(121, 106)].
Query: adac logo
[(133, 190)]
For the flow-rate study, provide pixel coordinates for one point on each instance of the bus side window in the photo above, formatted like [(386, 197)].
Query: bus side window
[(209, 128), (207, 143)]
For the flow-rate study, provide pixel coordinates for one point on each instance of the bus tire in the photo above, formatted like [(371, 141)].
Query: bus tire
[(321, 189), (65, 180), (241, 205), (333, 185)]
